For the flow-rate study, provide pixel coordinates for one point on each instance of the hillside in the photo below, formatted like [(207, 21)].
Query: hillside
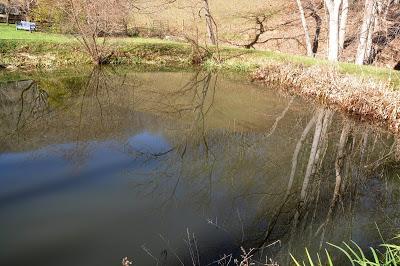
[(237, 25)]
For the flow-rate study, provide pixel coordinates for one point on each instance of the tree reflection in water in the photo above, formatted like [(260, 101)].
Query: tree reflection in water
[(265, 170)]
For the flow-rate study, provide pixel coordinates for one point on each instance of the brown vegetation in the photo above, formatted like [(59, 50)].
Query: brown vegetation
[(89, 20), (369, 99)]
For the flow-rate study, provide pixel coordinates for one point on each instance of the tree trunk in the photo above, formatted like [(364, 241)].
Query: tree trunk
[(343, 23), (305, 28), (318, 25), (365, 31), (8, 9), (333, 48), (333, 7), (369, 47), (210, 23)]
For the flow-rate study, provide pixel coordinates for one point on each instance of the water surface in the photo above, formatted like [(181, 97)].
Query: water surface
[(156, 166)]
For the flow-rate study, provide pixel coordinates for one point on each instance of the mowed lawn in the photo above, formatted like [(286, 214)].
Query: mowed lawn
[(9, 32)]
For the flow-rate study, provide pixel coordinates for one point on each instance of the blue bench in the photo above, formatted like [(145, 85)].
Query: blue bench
[(25, 25)]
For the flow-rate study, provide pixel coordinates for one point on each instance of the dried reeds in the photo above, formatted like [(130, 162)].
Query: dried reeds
[(364, 97)]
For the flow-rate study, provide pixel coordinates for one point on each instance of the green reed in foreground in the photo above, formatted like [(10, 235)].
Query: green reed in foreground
[(387, 254)]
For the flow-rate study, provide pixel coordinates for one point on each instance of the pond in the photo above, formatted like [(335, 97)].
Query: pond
[(174, 167)]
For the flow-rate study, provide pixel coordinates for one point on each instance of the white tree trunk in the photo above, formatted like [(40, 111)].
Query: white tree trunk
[(333, 41), (305, 28), (343, 23), (333, 7), (365, 31)]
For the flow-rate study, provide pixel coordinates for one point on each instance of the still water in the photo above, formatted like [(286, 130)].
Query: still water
[(170, 167)]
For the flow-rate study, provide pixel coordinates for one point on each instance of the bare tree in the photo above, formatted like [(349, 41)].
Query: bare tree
[(261, 28), (264, 24), (92, 22)]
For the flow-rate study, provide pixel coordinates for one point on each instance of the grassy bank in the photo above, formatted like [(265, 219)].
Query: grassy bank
[(24, 50), (21, 49)]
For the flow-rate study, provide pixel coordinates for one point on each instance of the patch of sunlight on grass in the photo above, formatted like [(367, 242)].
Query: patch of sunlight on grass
[(9, 32), (381, 73)]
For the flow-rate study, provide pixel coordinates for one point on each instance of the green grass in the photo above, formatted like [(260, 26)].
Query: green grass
[(156, 51), (388, 254), (380, 73), (9, 32)]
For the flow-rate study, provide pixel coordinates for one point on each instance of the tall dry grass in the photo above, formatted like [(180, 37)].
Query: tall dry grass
[(367, 98)]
